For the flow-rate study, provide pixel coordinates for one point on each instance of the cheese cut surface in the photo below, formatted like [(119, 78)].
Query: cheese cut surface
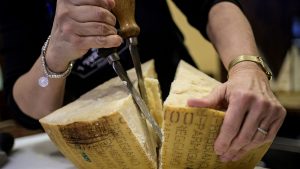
[(189, 133), (103, 128), (154, 99)]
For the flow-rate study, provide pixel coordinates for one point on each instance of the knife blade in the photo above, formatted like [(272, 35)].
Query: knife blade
[(113, 59), (124, 11), (133, 41)]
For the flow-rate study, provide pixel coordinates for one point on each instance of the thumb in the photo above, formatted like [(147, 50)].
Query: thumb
[(215, 100)]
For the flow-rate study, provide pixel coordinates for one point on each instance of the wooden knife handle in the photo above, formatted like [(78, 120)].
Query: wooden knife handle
[(124, 11)]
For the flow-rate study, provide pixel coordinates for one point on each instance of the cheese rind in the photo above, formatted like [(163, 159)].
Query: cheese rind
[(190, 133)]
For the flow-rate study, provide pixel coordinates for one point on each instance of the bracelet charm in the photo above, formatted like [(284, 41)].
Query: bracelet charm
[(43, 81)]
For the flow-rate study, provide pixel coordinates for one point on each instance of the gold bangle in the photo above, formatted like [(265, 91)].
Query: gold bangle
[(256, 59)]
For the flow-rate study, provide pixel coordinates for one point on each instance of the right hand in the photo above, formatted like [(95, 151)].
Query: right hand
[(80, 25)]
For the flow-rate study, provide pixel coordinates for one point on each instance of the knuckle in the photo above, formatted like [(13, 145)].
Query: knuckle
[(100, 14), (230, 129), (100, 41), (110, 3), (67, 28), (62, 13), (279, 111), (221, 146), (99, 29), (246, 96), (264, 102), (103, 29), (283, 111)]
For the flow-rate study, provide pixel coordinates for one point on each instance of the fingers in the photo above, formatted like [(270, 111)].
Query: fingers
[(100, 41), (80, 25), (107, 4), (268, 116), (215, 100), (85, 13), (258, 139), (247, 131), (92, 29), (232, 123), (89, 35)]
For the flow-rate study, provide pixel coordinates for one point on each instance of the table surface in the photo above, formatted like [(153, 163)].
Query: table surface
[(36, 152)]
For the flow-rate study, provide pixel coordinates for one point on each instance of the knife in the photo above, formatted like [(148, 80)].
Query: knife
[(129, 30)]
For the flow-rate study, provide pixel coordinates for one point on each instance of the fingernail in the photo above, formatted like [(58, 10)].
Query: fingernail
[(219, 152)]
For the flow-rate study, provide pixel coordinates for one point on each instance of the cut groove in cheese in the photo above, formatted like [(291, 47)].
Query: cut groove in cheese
[(154, 101), (103, 128), (189, 133)]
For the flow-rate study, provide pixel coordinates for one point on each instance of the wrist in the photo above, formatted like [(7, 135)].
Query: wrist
[(49, 73), (55, 60), (56, 63), (249, 62)]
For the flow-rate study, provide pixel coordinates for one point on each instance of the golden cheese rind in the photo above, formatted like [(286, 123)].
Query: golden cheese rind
[(105, 143), (189, 135)]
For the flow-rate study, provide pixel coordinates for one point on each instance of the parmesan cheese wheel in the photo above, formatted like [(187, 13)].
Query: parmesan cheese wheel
[(189, 133), (103, 129)]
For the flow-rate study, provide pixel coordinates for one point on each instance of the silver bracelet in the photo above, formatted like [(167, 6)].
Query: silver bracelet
[(48, 73)]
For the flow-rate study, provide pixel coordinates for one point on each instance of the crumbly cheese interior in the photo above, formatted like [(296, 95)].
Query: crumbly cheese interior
[(189, 83)]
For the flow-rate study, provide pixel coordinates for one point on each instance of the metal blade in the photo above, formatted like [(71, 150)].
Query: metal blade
[(137, 65), (117, 66)]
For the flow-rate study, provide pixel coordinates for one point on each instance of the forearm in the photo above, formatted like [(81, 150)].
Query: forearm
[(231, 34), (34, 100), (247, 96)]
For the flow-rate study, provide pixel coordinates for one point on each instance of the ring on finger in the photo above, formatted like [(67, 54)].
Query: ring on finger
[(263, 131)]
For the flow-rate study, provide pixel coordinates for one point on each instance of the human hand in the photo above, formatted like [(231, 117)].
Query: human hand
[(249, 104), (80, 25)]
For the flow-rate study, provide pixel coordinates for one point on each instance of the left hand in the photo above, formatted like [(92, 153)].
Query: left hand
[(250, 104)]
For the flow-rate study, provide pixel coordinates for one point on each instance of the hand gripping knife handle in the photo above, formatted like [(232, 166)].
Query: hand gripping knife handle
[(129, 30)]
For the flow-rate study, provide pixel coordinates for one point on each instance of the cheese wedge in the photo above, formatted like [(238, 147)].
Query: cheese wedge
[(103, 128), (189, 133)]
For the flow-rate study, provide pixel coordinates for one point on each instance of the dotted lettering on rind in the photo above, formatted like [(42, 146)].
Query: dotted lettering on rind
[(193, 133)]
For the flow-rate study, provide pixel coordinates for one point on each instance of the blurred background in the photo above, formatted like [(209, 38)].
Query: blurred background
[(276, 26)]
